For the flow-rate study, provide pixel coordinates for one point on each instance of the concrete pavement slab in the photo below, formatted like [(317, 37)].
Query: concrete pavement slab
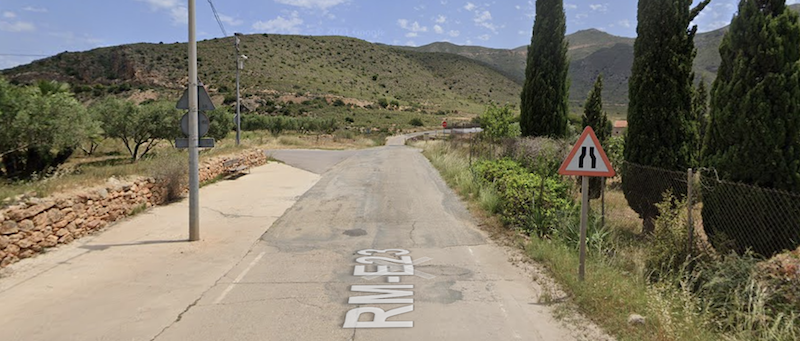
[(134, 279)]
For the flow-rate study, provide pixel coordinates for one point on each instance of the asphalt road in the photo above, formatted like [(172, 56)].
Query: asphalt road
[(444, 280)]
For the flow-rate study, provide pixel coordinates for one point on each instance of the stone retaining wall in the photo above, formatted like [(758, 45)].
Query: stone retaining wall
[(28, 228)]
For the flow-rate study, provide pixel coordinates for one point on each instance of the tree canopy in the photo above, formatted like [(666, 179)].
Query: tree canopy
[(545, 94)]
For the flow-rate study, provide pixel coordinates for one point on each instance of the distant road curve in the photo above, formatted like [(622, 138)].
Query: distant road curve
[(400, 140)]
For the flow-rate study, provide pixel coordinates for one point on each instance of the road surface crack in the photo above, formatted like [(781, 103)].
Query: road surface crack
[(411, 233), (234, 215), (178, 319)]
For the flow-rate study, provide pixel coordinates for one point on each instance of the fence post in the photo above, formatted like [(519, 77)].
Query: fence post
[(603, 204), (689, 199)]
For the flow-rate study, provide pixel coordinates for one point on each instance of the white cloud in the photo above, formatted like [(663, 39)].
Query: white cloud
[(177, 11), (570, 6), (624, 23), (230, 20), (470, 6), (9, 15), (484, 37), (454, 33), (441, 19), (280, 24), (18, 26), (34, 9), (412, 34), (72, 39), (438, 29), (321, 4), (483, 17), (413, 27), (581, 16), (411, 43), (599, 7)]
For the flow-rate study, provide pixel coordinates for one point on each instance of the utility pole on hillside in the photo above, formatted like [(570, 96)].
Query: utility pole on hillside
[(239, 66)]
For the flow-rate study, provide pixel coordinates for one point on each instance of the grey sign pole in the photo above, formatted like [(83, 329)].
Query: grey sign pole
[(194, 172), (584, 222)]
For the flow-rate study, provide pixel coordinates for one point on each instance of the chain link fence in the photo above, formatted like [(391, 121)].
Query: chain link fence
[(720, 216)]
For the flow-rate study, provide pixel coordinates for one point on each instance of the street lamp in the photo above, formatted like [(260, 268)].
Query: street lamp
[(239, 66)]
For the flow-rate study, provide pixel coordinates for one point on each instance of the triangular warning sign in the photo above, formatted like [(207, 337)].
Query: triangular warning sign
[(203, 100), (587, 158)]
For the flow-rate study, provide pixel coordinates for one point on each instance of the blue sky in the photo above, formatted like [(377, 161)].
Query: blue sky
[(31, 29)]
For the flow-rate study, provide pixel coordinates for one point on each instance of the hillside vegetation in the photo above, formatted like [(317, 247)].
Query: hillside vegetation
[(435, 77), (280, 64)]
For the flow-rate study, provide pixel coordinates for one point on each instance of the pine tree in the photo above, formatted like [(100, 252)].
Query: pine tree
[(754, 132), (593, 116), (660, 107), (545, 94)]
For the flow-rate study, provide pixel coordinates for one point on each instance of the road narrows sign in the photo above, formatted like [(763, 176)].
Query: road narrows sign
[(587, 158)]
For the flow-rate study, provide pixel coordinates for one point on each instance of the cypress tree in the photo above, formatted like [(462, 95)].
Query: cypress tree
[(660, 104), (700, 117), (593, 116), (545, 94), (754, 132)]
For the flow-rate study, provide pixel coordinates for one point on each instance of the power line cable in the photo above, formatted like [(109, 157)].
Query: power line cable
[(216, 15)]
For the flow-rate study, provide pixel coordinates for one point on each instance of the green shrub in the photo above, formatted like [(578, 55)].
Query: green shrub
[(416, 122), (523, 203), (279, 124), (497, 123), (383, 102), (667, 249), (221, 122)]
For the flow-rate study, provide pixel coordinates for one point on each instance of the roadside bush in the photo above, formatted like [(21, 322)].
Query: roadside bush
[(278, 124), (568, 230), (527, 201), (221, 123), (614, 148), (667, 247), (539, 155), (171, 172), (497, 123), (416, 122)]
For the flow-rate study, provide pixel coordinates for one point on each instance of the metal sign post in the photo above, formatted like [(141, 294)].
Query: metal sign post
[(194, 171), (586, 159), (584, 223)]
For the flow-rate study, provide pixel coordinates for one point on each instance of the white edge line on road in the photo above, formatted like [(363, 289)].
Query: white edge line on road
[(239, 278)]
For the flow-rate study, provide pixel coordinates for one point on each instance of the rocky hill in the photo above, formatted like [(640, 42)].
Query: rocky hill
[(284, 64)]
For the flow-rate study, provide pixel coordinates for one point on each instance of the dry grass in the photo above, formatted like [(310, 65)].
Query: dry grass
[(111, 160), (614, 288)]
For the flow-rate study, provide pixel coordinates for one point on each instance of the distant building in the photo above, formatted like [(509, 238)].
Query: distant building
[(620, 127)]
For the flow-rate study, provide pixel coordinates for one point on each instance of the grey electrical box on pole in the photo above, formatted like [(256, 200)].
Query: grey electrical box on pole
[(194, 171)]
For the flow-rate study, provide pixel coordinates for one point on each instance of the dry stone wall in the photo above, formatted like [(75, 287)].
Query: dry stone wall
[(28, 228)]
